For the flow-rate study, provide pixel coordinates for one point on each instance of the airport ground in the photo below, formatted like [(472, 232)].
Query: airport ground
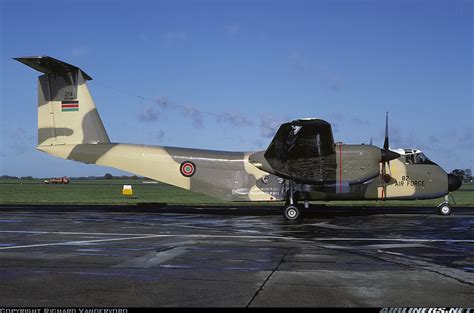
[(187, 256)]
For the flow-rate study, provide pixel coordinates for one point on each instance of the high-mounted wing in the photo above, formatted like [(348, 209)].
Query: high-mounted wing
[(304, 151)]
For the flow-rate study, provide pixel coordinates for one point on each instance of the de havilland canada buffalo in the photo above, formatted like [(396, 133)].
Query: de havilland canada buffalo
[(302, 163)]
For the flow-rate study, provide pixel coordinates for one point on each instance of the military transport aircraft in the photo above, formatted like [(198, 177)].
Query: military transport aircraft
[(302, 162)]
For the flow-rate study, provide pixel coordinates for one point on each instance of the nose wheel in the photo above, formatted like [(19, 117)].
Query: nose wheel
[(444, 209)]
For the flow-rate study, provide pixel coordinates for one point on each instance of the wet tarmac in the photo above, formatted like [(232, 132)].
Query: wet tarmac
[(235, 256)]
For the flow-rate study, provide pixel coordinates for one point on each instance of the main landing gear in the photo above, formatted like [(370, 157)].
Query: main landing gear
[(292, 211), (444, 208)]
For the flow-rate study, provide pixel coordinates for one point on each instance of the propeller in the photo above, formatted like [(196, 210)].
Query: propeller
[(386, 156)]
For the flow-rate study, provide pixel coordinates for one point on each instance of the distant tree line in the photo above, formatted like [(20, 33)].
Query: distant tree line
[(464, 175), (109, 176), (15, 177)]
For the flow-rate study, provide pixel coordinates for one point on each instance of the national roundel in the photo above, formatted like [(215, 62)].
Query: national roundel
[(187, 168)]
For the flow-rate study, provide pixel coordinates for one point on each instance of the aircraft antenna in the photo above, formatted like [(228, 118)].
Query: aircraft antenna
[(170, 104), (142, 116)]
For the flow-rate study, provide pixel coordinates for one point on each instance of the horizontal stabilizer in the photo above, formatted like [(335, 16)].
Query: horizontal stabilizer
[(47, 65)]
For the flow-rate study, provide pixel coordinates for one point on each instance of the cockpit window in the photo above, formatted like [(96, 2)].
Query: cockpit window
[(416, 158)]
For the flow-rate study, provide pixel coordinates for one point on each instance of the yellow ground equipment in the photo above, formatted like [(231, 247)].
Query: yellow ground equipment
[(127, 190)]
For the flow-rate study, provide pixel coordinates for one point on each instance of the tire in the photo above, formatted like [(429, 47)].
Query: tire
[(444, 209), (291, 213)]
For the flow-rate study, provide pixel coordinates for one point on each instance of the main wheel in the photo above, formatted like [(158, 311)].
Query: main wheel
[(292, 213), (444, 209)]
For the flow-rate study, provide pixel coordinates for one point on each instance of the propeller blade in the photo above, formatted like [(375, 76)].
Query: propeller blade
[(386, 156), (384, 181), (385, 143)]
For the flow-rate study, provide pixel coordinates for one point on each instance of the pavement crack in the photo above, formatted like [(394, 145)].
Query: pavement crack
[(408, 262), (267, 279), (424, 265)]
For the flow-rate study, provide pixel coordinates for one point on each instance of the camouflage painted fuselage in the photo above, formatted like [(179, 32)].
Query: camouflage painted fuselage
[(231, 176)]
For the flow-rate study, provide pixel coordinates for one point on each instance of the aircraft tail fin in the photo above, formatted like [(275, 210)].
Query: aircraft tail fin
[(66, 111)]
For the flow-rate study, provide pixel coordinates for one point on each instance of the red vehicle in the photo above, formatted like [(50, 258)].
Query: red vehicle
[(62, 180)]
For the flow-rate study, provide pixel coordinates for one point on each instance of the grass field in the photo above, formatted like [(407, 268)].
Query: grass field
[(110, 192)]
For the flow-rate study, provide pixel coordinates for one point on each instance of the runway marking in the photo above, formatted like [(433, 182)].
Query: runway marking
[(331, 226), (379, 246), (396, 239), (70, 233), (191, 226), (148, 236), (68, 243)]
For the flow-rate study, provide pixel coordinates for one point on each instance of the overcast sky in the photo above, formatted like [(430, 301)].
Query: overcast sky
[(224, 74)]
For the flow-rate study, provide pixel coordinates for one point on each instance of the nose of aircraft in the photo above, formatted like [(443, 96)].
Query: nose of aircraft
[(453, 182)]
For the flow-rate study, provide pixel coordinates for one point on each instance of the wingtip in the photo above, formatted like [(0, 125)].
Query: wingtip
[(31, 57)]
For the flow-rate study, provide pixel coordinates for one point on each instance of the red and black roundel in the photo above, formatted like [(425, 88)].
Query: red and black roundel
[(187, 168)]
